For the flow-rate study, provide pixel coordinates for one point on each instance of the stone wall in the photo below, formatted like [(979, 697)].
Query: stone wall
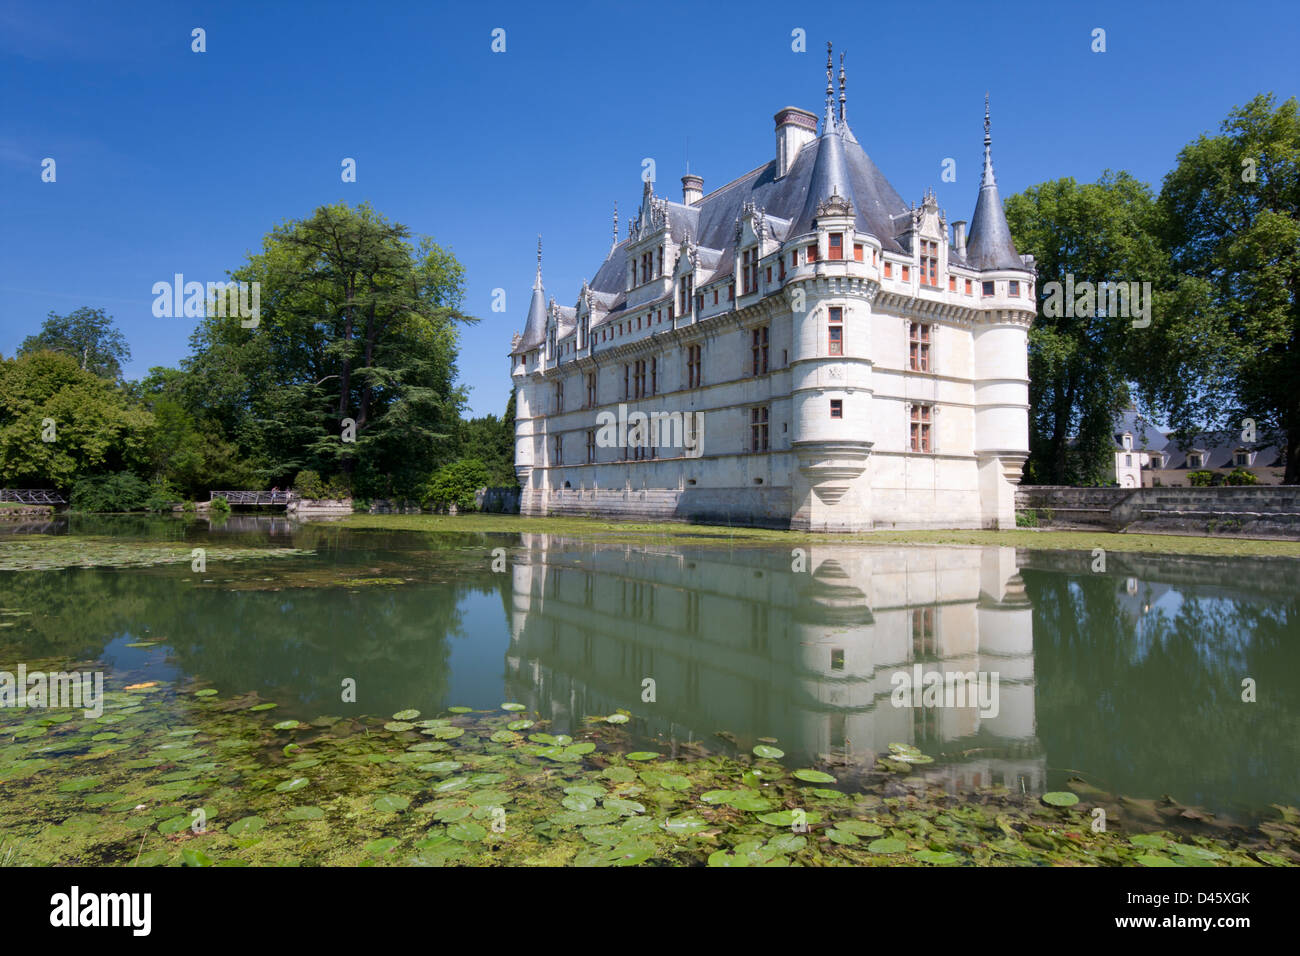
[(1247, 510), (753, 506), (318, 507), (497, 500)]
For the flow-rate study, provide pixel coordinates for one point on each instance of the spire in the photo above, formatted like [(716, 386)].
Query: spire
[(829, 124), (535, 326), (615, 223), (843, 98), (989, 246), (987, 179)]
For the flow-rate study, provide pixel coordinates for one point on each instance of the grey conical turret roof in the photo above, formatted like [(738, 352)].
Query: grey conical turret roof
[(535, 328), (989, 245)]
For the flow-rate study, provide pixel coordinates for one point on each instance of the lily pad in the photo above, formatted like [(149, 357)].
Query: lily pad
[(813, 776), (887, 845), (768, 752), (392, 803), (1060, 798)]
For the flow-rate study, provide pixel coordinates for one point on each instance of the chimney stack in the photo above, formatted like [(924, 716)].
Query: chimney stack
[(692, 189), (959, 237), (795, 129)]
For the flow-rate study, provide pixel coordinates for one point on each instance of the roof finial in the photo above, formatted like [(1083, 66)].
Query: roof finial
[(842, 96), (830, 88), (615, 222), (537, 283), (988, 179)]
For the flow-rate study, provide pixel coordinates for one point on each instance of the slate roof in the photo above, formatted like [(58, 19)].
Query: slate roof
[(1219, 447)]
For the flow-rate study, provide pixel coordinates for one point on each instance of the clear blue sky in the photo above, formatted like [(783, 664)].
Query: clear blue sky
[(172, 161)]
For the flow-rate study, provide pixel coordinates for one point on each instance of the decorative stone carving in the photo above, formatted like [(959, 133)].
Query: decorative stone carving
[(834, 205)]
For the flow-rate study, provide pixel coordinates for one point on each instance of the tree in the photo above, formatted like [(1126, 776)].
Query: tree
[(59, 423), (455, 484), (88, 336), (1231, 218), (491, 440), (1080, 365), (351, 369)]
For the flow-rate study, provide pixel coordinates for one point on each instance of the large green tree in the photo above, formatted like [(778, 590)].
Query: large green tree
[(88, 336), (59, 422), (1231, 218), (1081, 364), (357, 339)]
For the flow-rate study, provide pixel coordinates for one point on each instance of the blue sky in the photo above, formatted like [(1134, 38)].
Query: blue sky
[(172, 161)]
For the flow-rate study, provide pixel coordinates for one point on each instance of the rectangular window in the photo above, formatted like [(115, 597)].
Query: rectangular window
[(918, 335), (768, 276), (835, 328), (889, 270), (968, 289), (626, 379), (952, 283), (836, 245), (591, 389), (694, 366), (837, 408), (907, 273), (987, 288), (715, 296), (781, 269), (747, 264), (794, 259), (559, 450), (731, 292), (559, 397), (1013, 288), (920, 428), (654, 376), (929, 262), (758, 428), (812, 253), (591, 446), (759, 351), (857, 252)]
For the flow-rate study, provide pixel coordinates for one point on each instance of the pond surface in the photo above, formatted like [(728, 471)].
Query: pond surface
[(1127, 681)]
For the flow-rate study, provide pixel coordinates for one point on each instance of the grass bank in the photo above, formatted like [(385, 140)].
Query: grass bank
[(709, 534)]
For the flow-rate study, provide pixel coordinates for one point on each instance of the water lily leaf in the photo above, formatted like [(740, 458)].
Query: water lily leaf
[(460, 710), (440, 766), (786, 818), (287, 725), (1194, 852), (192, 856), (766, 751), (935, 857), (585, 747), (619, 774), (244, 825), (447, 733), (642, 755), (624, 807), (258, 707), (860, 827), (723, 858), (887, 845), (674, 781), (1148, 841), (452, 814), (397, 726), (297, 783), (206, 692), (1150, 859), (305, 813), (814, 776), (684, 825), (392, 803), (175, 824), (381, 846), (842, 837), (1060, 798), (504, 737), (406, 715), (466, 831), (617, 719), (513, 706), (519, 724), (579, 801)]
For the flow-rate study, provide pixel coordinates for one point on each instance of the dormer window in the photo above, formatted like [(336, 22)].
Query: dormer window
[(836, 240), (1128, 442), (1157, 460), (749, 271), (1196, 460), (1241, 458), (929, 262)]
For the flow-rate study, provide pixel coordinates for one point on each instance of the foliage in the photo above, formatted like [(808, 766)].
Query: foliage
[(1240, 476), (359, 322), (94, 427), (1026, 519), (309, 484), (88, 336), (162, 496), (121, 491), (1200, 479), (1080, 365), (219, 506), (491, 440), (456, 483), (1231, 219)]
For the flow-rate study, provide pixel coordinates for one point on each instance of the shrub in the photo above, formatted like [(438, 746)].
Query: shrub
[(162, 496), (1240, 476), (219, 506), (455, 484), (122, 491), (308, 484), (1200, 479), (1026, 519)]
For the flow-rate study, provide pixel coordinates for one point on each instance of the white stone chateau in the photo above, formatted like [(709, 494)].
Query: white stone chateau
[(798, 348)]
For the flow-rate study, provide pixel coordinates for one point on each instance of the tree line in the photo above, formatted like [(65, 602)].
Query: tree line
[(344, 382)]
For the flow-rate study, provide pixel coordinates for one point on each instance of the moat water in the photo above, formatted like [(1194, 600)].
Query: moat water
[(1137, 680)]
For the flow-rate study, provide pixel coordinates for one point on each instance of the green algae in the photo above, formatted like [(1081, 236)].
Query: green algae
[(202, 783), (41, 552)]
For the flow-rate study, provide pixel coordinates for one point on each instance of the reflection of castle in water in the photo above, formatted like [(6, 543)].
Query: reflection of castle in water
[(735, 640)]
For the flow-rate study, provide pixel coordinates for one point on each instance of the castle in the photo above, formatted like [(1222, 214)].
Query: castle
[(796, 349)]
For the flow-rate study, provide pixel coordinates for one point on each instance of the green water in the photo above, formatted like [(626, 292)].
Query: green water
[(1129, 680)]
